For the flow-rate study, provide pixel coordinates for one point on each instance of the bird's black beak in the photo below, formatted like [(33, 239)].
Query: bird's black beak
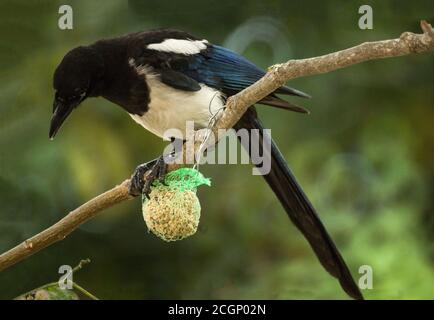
[(61, 111)]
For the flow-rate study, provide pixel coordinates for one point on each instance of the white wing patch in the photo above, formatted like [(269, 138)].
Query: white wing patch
[(181, 46), (171, 108)]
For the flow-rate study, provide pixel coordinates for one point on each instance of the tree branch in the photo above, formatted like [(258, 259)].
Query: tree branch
[(66, 225), (277, 75)]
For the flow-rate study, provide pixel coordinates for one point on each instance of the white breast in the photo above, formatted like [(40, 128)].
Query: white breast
[(171, 108)]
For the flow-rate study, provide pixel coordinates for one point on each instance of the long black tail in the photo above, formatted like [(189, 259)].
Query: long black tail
[(299, 209)]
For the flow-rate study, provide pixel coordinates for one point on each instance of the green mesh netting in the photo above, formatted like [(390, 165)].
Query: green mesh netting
[(173, 210), (182, 179), (186, 179)]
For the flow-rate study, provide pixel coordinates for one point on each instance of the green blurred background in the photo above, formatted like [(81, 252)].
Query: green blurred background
[(364, 156)]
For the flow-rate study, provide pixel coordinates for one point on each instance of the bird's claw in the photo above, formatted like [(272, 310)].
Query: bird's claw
[(156, 170)]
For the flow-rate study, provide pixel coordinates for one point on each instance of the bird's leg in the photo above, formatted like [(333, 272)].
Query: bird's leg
[(137, 178), (139, 184), (157, 170)]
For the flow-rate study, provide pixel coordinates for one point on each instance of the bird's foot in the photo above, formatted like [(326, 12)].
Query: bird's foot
[(139, 184)]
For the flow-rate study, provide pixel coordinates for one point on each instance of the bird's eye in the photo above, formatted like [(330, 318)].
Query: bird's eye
[(79, 93), (59, 98)]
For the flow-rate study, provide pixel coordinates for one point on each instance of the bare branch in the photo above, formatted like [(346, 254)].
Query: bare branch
[(65, 226), (277, 75)]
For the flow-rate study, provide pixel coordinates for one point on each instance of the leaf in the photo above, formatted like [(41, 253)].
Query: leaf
[(49, 292)]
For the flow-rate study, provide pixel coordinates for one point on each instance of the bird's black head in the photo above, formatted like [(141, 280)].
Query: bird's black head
[(78, 76)]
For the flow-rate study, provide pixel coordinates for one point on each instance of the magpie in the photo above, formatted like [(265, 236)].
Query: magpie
[(164, 78)]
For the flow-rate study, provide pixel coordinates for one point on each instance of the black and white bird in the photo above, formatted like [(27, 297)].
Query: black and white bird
[(164, 78)]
